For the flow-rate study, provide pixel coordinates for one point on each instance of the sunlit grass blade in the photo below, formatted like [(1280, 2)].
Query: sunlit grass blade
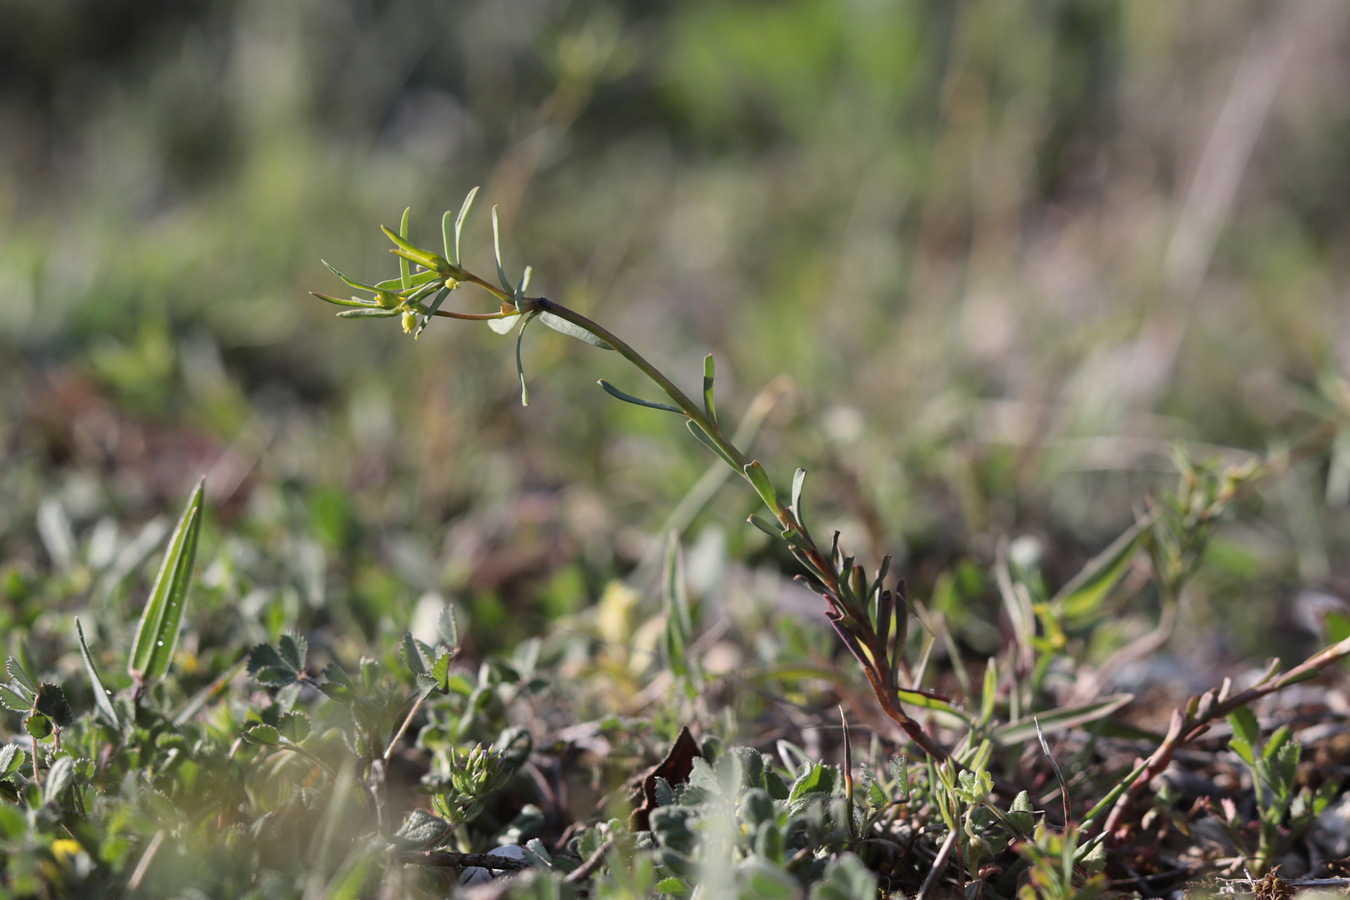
[(101, 702), (157, 633), (1084, 593)]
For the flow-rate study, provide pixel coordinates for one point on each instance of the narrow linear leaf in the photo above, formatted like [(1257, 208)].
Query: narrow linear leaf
[(1058, 720), (708, 442), (638, 401), (404, 270), (1085, 592), (520, 366), (431, 311), (101, 702), (360, 304), (757, 477), (524, 283), (459, 220), (368, 313), (798, 482), (424, 258), (497, 247), (709, 371), (572, 330), (395, 285), (157, 633), (772, 529), (350, 282)]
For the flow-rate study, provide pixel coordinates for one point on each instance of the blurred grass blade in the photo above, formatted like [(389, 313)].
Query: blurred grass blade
[(58, 535), (571, 330), (1059, 719), (157, 633), (105, 708), (637, 401), (1084, 593)]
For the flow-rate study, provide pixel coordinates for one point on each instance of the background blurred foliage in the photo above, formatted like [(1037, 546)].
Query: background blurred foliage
[(1007, 252)]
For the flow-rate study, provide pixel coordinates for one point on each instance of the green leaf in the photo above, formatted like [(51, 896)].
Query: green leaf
[(459, 221), (418, 655), (350, 282), (572, 330), (21, 677), (157, 633), (421, 279), (772, 529), (51, 702), (709, 370), (638, 401), (404, 270), (1246, 734), (819, 779), (447, 628), (265, 735), (497, 248), (520, 366), (15, 700), (707, 441), (280, 665), (360, 304), (431, 310), (1085, 592), (375, 313), (101, 702), (757, 477), (421, 829), (424, 258), (58, 778), (38, 726), (798, 482), (11, 759), (1057, 720), (846, 878)]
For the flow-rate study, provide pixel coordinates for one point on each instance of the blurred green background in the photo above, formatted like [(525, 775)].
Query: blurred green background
[(1006, 254)]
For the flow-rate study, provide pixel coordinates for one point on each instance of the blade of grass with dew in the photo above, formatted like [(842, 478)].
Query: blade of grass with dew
[(157, 633)]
